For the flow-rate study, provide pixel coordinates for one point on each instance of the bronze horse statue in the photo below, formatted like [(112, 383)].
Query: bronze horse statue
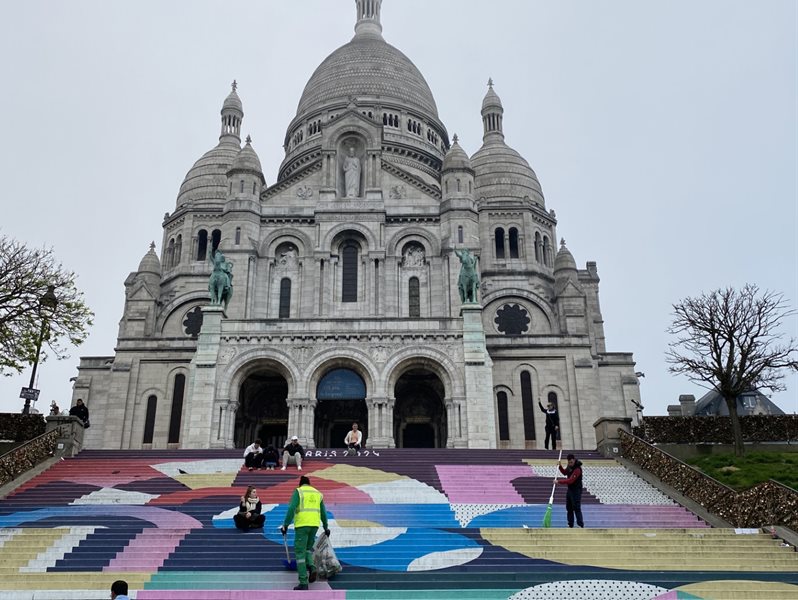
[(468, 282), (220, 285)]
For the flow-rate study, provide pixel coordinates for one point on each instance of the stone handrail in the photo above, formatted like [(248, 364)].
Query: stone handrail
[(768, 503), (28, 455)]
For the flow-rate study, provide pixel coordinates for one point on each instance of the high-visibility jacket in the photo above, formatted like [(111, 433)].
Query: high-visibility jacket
[(308, 512)]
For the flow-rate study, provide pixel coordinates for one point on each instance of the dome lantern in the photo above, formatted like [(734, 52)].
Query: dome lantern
[(232, 115), (368, 18)]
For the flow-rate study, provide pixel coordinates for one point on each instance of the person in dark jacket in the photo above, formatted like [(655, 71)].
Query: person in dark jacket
[(249, 511), (573, 498), (552, 424), (80, 411), (292, 453), (270, 458)]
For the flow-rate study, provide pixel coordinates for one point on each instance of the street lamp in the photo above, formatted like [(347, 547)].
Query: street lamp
[(47, 305)]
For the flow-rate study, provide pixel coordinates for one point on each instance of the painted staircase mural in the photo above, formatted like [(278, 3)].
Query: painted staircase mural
[(406, 524)]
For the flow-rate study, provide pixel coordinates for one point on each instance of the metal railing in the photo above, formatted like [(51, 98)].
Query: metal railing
[(28, 455), (768, 503)]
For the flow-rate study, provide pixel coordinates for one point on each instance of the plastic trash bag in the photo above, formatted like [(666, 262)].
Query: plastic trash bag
[(324, 559)]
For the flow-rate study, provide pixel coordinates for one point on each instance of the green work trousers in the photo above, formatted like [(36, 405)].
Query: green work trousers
[(304, 539)]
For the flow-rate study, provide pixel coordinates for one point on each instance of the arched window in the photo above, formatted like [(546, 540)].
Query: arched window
[(169, 259), (553, 399), (238, 236), (538, 247), (458, 185), (202, 244), (447, 186), (178, 249), (504, 416), (546, 251), (414, 297), (149, 420), (254, 187), (499, 243), (513, 242), (527, 406), (177, 409), (349, 255), (469, 187), (242, 187), (216, 237), (460, 234), (285, 298)]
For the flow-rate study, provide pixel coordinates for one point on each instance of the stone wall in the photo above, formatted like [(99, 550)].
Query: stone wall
[(765, 504), (717, 430)]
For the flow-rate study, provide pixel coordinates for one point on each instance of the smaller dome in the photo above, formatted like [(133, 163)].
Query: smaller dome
[(150, 263), (491, 99), (247, 160), (564, 260), (233, 102), (456, 158), (206, 181), (501, 172)]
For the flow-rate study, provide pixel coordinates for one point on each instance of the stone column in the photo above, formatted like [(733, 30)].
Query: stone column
[(380, 433), (480, 420), (301, 420), (450, 417), (196, 429)]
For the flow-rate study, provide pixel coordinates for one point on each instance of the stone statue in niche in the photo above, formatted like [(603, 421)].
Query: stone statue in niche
[(352, 174), (287, 259), (414, 257)]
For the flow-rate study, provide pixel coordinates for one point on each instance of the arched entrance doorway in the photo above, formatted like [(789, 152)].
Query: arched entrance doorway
[(263, 410), (419, 414), (341, 396)]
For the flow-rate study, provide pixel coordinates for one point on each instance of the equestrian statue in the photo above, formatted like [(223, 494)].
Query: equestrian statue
[(468, 282), (220, 285)]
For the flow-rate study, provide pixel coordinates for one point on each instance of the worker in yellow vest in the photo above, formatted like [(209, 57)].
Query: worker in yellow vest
[(307, 511)]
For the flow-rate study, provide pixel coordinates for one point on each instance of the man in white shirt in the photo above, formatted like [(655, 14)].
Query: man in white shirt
[(354, 438), (253, 455)]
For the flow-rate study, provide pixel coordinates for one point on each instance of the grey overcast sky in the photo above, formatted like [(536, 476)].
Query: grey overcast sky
[(663, 134)]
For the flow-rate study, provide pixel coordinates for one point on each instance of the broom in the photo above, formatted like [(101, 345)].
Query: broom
[(547, 516), (288, 563)]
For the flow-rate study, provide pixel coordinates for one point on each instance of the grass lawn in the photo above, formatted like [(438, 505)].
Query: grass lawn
[(754, 467)]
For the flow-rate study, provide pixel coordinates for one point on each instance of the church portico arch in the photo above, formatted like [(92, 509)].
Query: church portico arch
[(420, 418), (318, 421), (258, 384)]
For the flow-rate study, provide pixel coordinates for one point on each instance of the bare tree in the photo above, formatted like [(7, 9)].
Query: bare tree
[(729, 340), (25, 275)]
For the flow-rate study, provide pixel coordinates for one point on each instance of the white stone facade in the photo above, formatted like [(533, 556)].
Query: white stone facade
[(345, 304)]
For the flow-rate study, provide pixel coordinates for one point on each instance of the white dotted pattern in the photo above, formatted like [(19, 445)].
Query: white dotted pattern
[(614, 485), (465, 513), (590, 589)]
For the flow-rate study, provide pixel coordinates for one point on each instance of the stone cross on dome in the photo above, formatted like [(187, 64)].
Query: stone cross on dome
[(234, 85), (152, 245), (490, 82), (249, 139)]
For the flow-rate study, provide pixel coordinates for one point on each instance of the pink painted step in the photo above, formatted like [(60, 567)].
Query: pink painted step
[(310, 594), (148, 550), (466, 484)]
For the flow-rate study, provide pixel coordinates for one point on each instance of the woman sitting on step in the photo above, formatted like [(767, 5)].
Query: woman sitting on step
[(249, 516)]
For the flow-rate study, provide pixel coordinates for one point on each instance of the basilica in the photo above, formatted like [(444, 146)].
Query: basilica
[(347, 302)]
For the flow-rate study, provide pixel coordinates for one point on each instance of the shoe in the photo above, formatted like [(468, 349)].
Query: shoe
[(312, 576), (250, 468), (301, 586), (299, 468), (282, 468)]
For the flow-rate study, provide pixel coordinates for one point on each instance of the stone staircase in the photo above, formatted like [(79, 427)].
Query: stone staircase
[(406, 524)]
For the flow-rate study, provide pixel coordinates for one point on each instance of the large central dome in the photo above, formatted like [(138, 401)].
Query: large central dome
[(368, 68)]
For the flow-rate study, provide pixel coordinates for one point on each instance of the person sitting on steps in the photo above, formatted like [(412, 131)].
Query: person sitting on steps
[(249, 511), (253, 455), (270, 458), (292, 454), (353, 439)]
